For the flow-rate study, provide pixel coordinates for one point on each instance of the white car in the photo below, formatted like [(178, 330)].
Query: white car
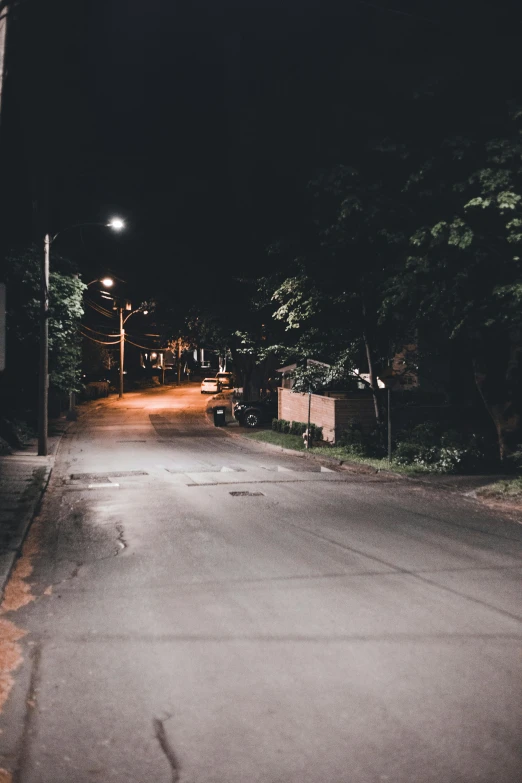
[(210, 386)]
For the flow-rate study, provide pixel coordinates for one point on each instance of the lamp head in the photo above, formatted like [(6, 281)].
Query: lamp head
[(108, 282), (116, 223)]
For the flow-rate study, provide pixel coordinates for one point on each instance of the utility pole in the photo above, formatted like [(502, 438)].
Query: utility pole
[(307, 440), (4, 11), (122, 350), (389, 425), (43, 380), (179, 361)]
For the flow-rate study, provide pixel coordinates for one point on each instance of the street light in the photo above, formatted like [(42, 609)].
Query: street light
[(123, 321), (108, 282), (117, 224)]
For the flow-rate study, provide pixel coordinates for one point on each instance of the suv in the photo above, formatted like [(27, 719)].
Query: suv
[(252, 414), (225, 379)]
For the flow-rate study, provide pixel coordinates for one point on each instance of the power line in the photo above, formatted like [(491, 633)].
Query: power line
[(145, 347), (100, 309), (96, 331), (100, 342)]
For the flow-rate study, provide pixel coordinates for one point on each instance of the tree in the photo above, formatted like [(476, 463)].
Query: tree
[(20, 381), (245, 332), (463, 276), (330, 296)]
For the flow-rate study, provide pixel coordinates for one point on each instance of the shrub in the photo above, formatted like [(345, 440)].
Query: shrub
[(296, 428), (428, 446), (515, 459), (316, 432), (353, 439)]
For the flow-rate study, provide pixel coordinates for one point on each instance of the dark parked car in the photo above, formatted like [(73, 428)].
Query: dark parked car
[(255, 413)]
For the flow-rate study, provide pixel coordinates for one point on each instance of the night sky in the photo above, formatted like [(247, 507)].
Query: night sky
[(201, 122)]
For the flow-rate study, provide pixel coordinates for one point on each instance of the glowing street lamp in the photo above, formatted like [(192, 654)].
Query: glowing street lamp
[(123, 321), (117, 224), (107, 282)]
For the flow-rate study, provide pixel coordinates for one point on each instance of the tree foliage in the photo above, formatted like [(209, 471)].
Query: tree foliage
[(406, 248), (463, 275), (23, 326)]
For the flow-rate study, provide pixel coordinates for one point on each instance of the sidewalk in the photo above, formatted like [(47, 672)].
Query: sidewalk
[(23, 479)]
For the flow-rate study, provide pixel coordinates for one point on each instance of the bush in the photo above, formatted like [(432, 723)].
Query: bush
[(353, 439), (515, 459), (316, 432), (428, 446), (296, 428)]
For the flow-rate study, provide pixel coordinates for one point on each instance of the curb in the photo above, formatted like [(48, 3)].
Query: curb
[(29, 508), (357, 468)]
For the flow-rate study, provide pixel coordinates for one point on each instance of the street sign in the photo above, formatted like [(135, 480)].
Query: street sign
[(2, 326)]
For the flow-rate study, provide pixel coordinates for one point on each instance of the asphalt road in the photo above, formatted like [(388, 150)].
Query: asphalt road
[(209, 611)]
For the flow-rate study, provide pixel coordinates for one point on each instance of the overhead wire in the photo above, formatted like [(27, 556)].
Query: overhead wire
[(97, 331), (145, 347), (100, 342), (100, 309)]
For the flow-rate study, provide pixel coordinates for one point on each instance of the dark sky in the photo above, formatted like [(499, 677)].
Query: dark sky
[(201, 121)]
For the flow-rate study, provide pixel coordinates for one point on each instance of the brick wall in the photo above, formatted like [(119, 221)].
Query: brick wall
[(326, 412)]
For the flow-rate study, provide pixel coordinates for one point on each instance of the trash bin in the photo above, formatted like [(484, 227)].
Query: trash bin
[(220, 417)]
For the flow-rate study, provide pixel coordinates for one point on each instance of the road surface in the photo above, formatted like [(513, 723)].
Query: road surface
[(203, 609)]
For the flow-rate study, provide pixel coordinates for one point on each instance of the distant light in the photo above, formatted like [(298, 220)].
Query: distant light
[(145, 312), (116, 223), (154, 356), (108, 282)]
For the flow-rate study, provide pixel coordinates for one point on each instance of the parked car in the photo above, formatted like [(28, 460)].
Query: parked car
[(210, 386), (95, 385), (225, 379), (255, 413)]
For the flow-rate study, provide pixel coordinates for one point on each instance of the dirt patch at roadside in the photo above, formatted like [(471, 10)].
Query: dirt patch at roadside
[(17, 593)]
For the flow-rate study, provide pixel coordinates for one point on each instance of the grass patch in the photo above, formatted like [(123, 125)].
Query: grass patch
[(507, 488), (283, 439), (295, 442)]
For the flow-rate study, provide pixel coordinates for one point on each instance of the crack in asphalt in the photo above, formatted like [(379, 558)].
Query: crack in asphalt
[(22, 751), (122, 542), (166, 747)]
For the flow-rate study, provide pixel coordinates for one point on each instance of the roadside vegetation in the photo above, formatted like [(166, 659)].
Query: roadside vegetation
[(341, 453), (507, 489), (424, 448)]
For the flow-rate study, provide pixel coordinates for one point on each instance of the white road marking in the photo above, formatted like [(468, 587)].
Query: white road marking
[(326, 470), (285, 470), (224, 469), (97, 486)]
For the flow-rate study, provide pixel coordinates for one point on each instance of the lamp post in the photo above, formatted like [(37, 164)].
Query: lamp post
[(43, 381), (123, 321)]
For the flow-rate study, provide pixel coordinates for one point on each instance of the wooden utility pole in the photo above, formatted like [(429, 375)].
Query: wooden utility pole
[(179, 360), (122, 351), (4, 12), (43, 380)]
